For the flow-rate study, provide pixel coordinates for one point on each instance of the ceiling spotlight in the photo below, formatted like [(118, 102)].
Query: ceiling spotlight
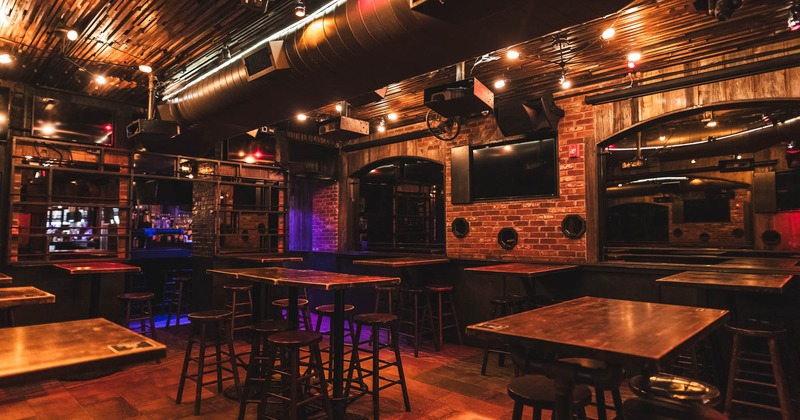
[(339, 108), (392, 116), (694, 161), (299, 8), (608, 33), (512, 54), (144, 68), (500, 83), (794, 16), (5, 59), (634, 56), (382, 126), (302, 117), (100, 79), (72, 35)]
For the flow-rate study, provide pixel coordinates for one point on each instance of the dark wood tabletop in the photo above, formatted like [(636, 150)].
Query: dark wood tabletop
[(26, 295), (400, 262), (617, 331), (5, 279), (273, 258), (312, 279), (743, 282), (523, 269), (97, 268), (761, 263), (49, 351)]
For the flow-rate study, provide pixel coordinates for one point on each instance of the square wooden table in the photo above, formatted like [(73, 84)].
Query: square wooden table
[(313, 279), (47, 351), (25, 295), (96, 269), (525, 271), (403, 264), (619, 332)]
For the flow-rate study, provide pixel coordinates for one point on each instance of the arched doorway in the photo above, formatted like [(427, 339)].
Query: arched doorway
[(401, 205)]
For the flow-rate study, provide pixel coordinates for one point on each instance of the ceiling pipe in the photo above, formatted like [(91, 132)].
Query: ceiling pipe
[(362, 45)]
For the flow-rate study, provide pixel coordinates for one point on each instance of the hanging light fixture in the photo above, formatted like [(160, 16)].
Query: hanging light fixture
[(563, 81), (299, 8)]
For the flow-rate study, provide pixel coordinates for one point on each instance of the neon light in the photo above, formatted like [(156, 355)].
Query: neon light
[(277, 35)]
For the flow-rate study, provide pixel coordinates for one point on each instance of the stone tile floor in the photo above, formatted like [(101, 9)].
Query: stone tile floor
[(443, 385)]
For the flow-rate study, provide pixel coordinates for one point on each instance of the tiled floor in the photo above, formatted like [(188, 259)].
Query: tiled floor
[(443, 385)]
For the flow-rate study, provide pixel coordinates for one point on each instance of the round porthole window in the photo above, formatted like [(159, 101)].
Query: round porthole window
[(460, 227), (507, 238), (573, 226), (771, 237)]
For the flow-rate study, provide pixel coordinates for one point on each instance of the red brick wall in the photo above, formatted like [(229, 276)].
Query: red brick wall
[(325, 219), (537, 221)]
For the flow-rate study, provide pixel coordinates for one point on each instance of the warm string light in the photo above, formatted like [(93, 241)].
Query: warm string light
[(382, 126)]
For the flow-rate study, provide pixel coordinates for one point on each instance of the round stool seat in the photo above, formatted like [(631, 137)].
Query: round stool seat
[(136, 296), (412, 290), (375, 319), (284, 303), (269, 327), (295, 338), (238, 287), (540, 392), (675, 388), (755, 328), (212, 315), (644, 409), (390, 288), (328, 309), (440, 287)]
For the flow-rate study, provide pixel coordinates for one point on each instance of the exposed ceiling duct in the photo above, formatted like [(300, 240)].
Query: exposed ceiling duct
[(360, 46)]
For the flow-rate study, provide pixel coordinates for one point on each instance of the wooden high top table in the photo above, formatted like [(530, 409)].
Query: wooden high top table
[(403, 264), (619, 332), (263, 309), (12, 297), (268, 258), (48, 351), (96, 269), (524, 271), (313, 279)]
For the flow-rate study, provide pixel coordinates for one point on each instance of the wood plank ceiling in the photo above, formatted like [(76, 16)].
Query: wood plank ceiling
[(184, 38)]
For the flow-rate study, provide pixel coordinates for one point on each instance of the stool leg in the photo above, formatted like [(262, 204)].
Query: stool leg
[(273, 355), (152, 319), (600, 396), (396, 346), (486, 349), (200, 368), (127, 321), (429, 311), (322, 382), (376, 365), (218, 356), (416, 325), (537, 413), (234, 304), (615, 394), (777, 369), (294, 373), (455, 318), (732, 373), (439, 323), (185, 368), (252, 371), (232, 359), (354, 361), (307, 318), (377, 300), (517, 415)]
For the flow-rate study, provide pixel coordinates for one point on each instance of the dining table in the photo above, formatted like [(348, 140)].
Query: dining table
[(13, 297), (759, 262), (47, 351), (403, 264), (527, 272), (263, 309), (96, 270), (622, 333), (295, 279)]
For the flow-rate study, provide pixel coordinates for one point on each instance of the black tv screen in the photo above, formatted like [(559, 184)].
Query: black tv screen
[(707, 210), (513, 170)]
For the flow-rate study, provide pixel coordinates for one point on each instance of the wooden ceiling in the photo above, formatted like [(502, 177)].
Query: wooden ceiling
[(184, 38), (116, 36)]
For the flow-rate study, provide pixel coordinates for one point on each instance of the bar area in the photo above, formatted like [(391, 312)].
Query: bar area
[(400, 209)]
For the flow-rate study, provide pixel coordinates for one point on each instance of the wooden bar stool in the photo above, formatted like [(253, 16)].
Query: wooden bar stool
[(302, 307), (745, 384), (390, 301), (139, 307), (539, 392), (240, 303), (209, 328), (375, 322), (444, 295), (176, 287), (257, 367), (608, 383), (411, 303), (326, 311), (288, 344), (501, 306)]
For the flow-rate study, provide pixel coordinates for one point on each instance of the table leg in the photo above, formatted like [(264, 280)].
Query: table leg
[(530, 291), (339, 402), (94, 297)]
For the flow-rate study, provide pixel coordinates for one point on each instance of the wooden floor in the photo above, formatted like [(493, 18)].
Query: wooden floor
[(443, 385)]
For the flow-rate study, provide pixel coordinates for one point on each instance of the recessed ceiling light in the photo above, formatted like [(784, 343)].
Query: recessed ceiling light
[(144, 68), (662, 138), (608, 33), (694, 161), (512, 54), (500, 83), (392, 116), (72, 35), (100, 79), (338, 107), (302, 117), (5, 59)]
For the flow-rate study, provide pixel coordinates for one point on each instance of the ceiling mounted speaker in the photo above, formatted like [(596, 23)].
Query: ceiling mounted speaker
[(529, 116)]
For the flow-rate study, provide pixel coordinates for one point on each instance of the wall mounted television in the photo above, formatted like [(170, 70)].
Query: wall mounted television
[(68, 121), (525, 168)]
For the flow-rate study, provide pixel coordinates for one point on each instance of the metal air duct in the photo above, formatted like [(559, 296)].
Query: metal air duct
[(360, 46)]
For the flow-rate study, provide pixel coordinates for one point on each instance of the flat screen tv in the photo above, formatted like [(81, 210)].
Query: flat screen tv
[(62, 120), (519, 169)]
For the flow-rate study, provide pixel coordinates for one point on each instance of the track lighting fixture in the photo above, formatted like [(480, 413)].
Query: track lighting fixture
[(794, 16), (299, 8)]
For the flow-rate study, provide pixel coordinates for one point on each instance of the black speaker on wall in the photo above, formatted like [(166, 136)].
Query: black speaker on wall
[(529, 116), (459, 175)]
